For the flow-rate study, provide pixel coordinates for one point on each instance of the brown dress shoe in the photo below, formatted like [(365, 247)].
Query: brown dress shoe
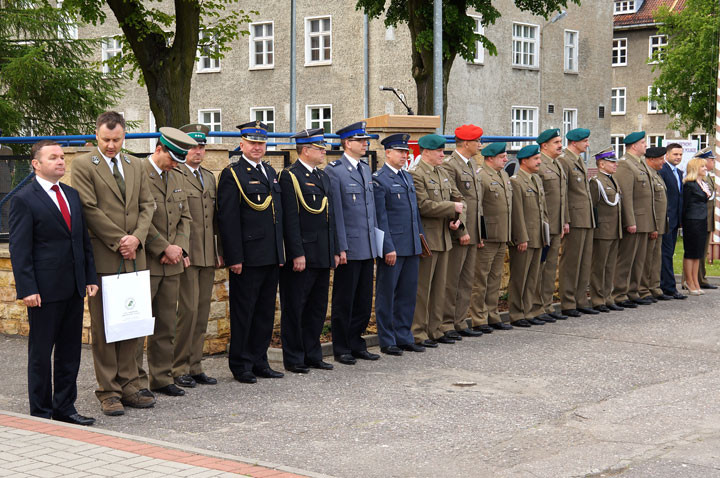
[(112, 407), (136, 400)]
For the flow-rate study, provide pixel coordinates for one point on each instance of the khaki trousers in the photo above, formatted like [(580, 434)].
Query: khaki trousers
[(427, 321), (548, 274), (604, 259), (524, 275), (115, 368), (631, 256), (196, 285), (164, 291), (486, 287), (638, 266), (575, 265), (650, 283), (460, 277), (702, 280)]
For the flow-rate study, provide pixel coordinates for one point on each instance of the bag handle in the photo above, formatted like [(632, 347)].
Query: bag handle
[(121, 266)]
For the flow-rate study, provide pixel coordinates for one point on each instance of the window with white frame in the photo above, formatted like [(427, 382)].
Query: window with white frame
[(478, 29), (319, 116), (524, 122), (525, 45), (619, 52), (111, 47), (569, 122), (266, 114), (655, 140), (653, 104), (616, 141), (700, 139), (656, 44), (70, 30), (571, 51), (207, 48), (318, 41), (213, 120), (618, 97), (262, 52), (624, 6)]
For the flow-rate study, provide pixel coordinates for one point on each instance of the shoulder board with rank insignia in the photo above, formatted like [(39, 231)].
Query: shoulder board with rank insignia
[(363, 160), (127, 160), (95, 160), (375, 173), (334, 163)]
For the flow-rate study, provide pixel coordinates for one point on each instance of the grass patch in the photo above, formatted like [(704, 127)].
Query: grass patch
[(710, 269)]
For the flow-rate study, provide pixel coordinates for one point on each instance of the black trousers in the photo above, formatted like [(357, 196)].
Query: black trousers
[(667, 274), (351, 305), (54, 325), (252, 314), (304, 301)]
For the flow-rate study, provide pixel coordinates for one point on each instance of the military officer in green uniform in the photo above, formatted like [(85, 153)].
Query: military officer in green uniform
[(575, 261), (709, 179), (497, 209)]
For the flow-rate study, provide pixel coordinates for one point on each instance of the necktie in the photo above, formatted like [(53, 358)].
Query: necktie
[(262, 172), (118, 177), (402, 176), (612, 181), (678, 173), (200, 178), (360, 171), (63, 206)]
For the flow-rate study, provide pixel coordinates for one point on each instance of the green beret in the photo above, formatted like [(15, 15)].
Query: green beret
[(431, 141), (547, 135), (528, 151), (633, 138), (577, 134), (493, 149)]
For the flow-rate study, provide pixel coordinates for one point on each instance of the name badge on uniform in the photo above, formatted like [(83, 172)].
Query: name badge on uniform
[(445, 179), (254, 182), (579, 179), (467, 185), (177, 190)]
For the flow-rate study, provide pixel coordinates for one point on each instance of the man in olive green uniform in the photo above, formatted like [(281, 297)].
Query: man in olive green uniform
[(575, 260), (555, 185), (709, 179), (638, 221), (166, 247), (196, 283), (650, 281), (441, 210), (497, 207), (462, 170), (605, 195), (528, 218), (118, 207)]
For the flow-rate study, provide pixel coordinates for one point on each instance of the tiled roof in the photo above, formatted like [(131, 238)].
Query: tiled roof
[(646, 12)]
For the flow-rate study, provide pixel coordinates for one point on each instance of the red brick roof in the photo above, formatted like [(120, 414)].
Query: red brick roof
[(646, 12)]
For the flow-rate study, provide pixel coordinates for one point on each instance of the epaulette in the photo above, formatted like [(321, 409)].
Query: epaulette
[(376, 173), (364, 160), (334, 163), (125, 157)]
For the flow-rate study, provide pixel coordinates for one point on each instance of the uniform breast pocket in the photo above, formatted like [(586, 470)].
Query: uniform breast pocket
[(256, 189), (353, 194), (192, 194), (530, 193)]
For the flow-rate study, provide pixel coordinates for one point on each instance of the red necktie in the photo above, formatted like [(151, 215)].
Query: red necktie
[(63, 206)]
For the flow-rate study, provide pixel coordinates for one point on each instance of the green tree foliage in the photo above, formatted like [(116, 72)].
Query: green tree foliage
[(160, 44), (47, 83), (687, 84), (458, 36)]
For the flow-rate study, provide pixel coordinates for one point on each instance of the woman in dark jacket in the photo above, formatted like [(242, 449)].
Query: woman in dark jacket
[(694, 222)]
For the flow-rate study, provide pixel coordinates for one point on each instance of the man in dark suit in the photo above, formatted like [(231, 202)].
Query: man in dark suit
[(53, 265), (672, 175), (310, 242), (249, 216)]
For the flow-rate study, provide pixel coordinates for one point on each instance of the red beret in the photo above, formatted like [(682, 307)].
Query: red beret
[(468, 132)]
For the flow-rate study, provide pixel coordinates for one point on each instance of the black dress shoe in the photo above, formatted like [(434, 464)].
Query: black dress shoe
[(429, 343), (445, 340), (468, 332), (146, 393), (663, 296), (614, 307), (501, 326), (587, 310), (75, 419), (571, 313), (267, 372), (642, 301), (245, 377), (558, 316), (365, 355), (452, 335), (602, 308), (679, 296), (321, 365), (346, 359), (546, 318), (298, 369), (628, 304), (391, 350), (535, 321), (185, 381), (203, 379), (708, 286), (651, 299), (412, 347), (521, 323), (171, 390), (485, 329)]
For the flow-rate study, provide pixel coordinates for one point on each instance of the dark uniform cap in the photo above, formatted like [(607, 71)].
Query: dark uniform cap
[(528, 151), (607, 154), (633, 138), (353, 131), (396, 141), (547, 135), (177, 143), (254, 131), (655, 152), (313, 136), (468, 132), (705, 153), (493, 149), (577, 134), (431, 141), (196, 131)]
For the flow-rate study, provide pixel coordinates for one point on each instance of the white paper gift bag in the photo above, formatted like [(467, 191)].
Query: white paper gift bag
[(127, 306)]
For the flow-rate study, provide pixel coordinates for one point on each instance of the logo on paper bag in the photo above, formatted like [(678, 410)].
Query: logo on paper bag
[(130, 303)]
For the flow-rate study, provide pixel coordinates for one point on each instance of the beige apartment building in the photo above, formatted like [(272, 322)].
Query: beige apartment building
[(546, 74)]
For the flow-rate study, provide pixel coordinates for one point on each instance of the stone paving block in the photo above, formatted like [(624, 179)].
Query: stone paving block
[(162, 469), (30, 466), (100, 470), (65, 455), (137, 461), (79, 461), (122, 454), (46, 473), (120, 468), (19, 463)]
